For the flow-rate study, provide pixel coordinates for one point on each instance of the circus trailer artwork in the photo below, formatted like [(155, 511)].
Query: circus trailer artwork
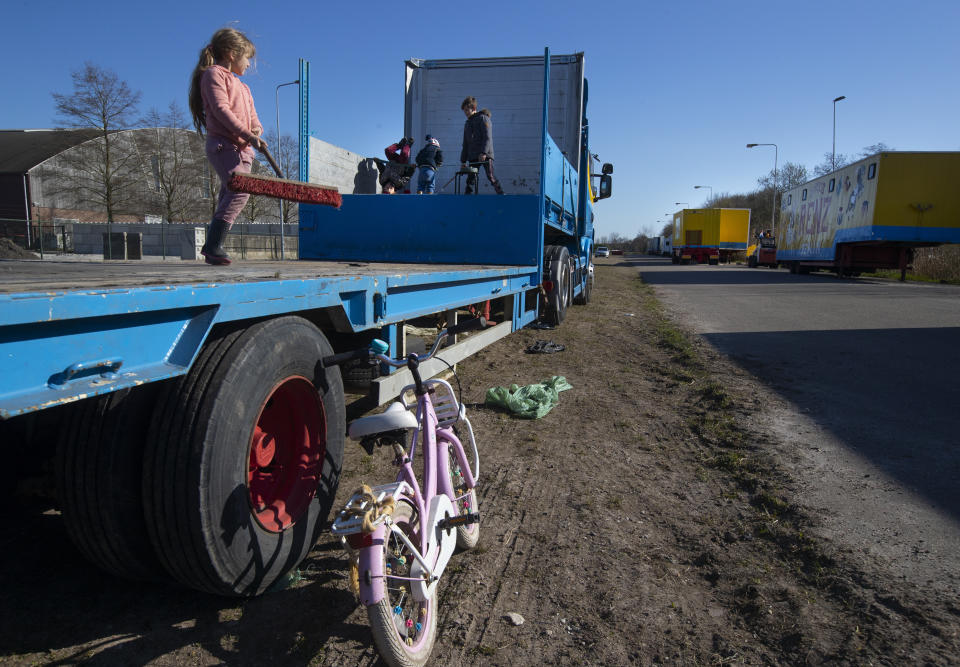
[(885, 202)]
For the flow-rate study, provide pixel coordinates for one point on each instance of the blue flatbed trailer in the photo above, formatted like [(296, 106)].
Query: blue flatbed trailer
[(197, 434)]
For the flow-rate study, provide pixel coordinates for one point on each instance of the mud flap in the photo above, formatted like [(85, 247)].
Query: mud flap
[(439, 550), (372, 576)]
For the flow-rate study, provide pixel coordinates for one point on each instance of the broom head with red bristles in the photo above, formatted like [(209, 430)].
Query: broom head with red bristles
[(282, 188)]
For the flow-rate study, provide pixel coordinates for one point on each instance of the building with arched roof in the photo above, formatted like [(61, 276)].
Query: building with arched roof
[(50, 175)]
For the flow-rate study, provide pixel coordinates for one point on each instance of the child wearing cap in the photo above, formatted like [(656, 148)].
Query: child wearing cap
[(428, 161)]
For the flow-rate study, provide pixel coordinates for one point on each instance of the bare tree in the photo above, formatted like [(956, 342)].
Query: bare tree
[(177, 163), (831, 163), (842, 160), (102, 171), (790, 175), (873, 149)]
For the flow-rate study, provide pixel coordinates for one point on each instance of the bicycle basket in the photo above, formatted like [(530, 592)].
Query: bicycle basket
[(444, 401)]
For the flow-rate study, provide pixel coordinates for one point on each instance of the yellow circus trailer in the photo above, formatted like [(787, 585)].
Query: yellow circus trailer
[(871, 214), (709, 234)]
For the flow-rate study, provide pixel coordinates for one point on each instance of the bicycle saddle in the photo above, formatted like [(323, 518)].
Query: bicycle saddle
[(393, 418)]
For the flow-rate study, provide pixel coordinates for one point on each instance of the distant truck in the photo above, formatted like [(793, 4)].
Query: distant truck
[(871, 214), (658, 245), (764, 251), (709, 235)]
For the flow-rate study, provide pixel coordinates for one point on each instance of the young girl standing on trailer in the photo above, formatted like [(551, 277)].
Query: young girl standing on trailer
[(222, 105)]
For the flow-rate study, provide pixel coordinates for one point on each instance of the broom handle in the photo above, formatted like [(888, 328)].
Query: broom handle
[(273, 163)]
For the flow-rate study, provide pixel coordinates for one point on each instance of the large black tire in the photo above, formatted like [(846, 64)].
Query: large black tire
[(558, 273), (99, 471), (586, 293), (244, 458)]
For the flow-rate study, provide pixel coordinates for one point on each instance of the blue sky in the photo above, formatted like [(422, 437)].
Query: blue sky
[(677, 89)]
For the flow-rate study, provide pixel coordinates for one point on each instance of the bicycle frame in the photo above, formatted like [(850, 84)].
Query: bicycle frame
[(434, 500)]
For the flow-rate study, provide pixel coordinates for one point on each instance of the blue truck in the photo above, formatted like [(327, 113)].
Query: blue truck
[(195, 434)]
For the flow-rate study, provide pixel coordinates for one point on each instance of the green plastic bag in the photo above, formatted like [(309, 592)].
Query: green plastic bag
[(531, 401)]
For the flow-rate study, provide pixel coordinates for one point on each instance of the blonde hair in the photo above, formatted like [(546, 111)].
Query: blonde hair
[(225, 42)]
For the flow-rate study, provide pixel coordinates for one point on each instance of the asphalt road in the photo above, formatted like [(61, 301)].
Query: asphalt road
[(865, 380)]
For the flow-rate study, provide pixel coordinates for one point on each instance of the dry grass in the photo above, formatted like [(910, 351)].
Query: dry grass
[(940, 263)]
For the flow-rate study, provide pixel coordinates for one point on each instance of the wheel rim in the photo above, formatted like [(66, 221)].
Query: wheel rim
[(410, 617), (286, 454), (563, 286)]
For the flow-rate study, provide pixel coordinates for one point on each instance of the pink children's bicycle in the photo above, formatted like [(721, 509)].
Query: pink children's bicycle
[(401, 535)]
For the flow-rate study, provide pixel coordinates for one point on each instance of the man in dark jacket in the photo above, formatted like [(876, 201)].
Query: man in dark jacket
[(478, 144)]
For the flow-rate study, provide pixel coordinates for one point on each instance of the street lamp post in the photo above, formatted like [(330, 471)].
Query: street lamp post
[(773, 213), (697, 187), (833, 152), (280, 160)]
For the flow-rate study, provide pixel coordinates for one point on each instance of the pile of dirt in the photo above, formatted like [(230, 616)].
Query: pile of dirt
[(10, 250), (642, 521)]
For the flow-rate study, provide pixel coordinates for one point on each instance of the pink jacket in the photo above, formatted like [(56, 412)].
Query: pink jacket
[(228, 105)]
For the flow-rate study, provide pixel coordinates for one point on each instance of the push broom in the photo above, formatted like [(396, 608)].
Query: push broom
[(282, 188)]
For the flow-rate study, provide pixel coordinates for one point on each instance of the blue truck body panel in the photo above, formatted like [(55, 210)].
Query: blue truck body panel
[(429, 229), (61, 346)]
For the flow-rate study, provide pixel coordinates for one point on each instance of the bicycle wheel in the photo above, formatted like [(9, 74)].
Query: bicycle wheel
[(403, 629), (466, 502)]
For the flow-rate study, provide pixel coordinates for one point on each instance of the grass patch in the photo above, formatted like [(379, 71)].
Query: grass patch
[(715, 394), (894, 274), (717, 429)]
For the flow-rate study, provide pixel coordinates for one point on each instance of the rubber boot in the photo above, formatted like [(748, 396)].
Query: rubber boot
[(212, 250)]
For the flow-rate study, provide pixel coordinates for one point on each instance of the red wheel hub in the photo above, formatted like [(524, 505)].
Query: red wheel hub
[(286, 454)]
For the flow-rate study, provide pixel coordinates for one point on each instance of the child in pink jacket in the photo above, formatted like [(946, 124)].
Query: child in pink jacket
[(223, 105)]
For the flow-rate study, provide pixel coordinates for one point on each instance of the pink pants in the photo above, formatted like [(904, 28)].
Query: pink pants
[(226, 158)]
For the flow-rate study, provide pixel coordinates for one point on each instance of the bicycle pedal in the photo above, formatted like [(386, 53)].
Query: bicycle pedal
[(462, 520)]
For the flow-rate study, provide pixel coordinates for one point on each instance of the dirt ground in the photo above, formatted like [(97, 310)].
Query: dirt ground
[(645, 520)]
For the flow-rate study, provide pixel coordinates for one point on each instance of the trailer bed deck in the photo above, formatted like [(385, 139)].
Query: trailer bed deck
[(58, 275), (70, 329)]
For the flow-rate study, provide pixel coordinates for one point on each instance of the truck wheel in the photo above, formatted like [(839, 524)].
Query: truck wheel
[(674, 259), (587, 292), (244, 458), (558, 298), (99, 470)]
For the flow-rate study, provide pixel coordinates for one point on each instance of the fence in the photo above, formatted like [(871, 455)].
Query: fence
[(159, 239)]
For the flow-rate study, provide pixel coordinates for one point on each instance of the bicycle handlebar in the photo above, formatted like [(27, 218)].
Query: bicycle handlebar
[(344, 357), (476, 323)]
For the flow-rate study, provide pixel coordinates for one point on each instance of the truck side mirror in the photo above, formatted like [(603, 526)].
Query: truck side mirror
[(607, 168), (606, 186)]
